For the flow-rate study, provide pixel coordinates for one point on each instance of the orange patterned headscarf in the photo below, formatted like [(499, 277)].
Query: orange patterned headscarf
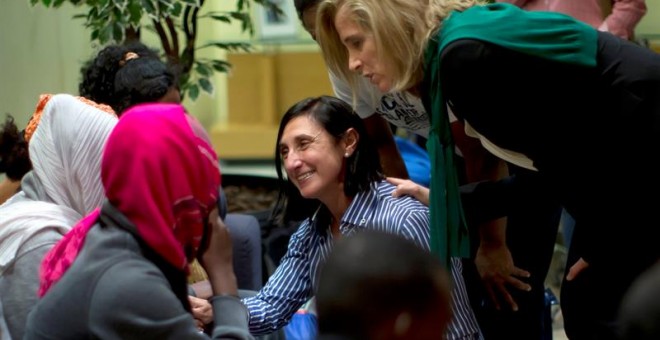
[(43, 100)]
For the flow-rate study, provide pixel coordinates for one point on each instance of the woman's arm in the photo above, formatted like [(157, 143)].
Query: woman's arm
[(287, 289), (466, 63), (623, 19), (409, 188)]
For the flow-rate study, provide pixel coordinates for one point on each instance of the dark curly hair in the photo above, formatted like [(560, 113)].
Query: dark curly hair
[(110, 79), (14, 157)]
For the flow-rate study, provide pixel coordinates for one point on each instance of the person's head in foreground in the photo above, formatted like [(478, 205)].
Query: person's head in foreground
[(640, 310), (381, 286), (323, 147)]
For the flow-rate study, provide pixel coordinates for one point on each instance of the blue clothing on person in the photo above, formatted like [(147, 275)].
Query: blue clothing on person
[(416, 159), (295, 280)]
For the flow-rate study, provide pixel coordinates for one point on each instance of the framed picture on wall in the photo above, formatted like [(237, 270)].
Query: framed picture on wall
[(275, 24)]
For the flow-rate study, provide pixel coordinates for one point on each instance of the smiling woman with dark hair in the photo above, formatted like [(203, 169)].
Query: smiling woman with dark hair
[(334, 184)]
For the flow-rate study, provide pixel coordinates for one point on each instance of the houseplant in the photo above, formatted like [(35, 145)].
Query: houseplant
[(176, 24)]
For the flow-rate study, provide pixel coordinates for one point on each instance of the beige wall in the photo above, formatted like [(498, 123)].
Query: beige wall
[(40, 51)]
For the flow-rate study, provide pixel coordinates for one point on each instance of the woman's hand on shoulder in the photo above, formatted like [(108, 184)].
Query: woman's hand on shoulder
[(410, 188)]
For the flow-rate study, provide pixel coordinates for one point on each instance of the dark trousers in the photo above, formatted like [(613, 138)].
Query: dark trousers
[(533, 220), (590, 303)]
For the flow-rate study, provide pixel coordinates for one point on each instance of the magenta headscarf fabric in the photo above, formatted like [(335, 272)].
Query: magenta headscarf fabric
[(163, 175)]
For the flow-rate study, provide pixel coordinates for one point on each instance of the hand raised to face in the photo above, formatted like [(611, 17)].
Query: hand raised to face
[(217, 259)]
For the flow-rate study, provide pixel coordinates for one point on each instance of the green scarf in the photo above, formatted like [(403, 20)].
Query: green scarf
[(548, 35)]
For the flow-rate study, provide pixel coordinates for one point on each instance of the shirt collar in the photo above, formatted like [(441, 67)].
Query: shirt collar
[(361, 209)]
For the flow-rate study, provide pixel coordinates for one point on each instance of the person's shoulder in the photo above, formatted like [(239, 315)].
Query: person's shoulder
[(36, 246), (48, 236), (133, 295), (466, 47), (135, 274), (403, 215), (464, 52), (131, 283)]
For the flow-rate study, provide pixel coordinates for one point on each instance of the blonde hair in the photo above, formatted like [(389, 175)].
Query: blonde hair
[(401, 30)]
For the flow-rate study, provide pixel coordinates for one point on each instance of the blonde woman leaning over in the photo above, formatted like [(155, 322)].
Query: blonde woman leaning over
[(555, 96)]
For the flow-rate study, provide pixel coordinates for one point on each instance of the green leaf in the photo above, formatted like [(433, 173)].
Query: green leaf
[(203, 70), (240, 4), (135, 12), (92, 14), (176, 10), (221, 65), (229, 46), (222, 18), (114, 14), (206, 85), (46, 2), (245, 19), (193, 92), (105, 34), (184, 79), (102, 4), (271, 6), (240, 16), (164, 8), (165, 4), (118, 32), (58, 3), (34, 2), (191, 2), (148, 7)]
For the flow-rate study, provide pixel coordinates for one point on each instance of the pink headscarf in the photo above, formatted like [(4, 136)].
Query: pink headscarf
[(163, 175)]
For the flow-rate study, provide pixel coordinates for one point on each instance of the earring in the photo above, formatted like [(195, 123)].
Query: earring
[(346, 155)]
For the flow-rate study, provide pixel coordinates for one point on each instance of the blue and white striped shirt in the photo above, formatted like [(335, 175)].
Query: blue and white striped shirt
[(295, 279)]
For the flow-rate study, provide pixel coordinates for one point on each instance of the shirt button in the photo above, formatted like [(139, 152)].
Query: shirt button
[(363, 221)]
